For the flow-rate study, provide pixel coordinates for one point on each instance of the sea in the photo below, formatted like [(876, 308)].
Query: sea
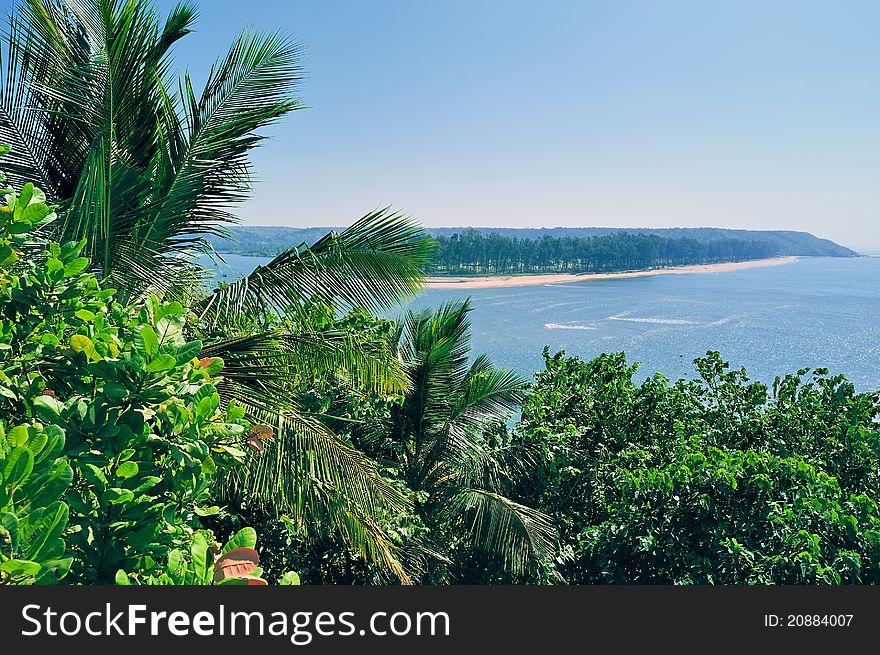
[(815, 312)]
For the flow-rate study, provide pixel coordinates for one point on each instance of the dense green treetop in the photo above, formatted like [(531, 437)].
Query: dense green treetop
[(717, 479)]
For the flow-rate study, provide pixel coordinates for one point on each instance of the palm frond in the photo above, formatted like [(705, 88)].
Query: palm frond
[(202, 168), (307, 471), (268, 366), (519, 536), (37, 46), (374, 265), (489, 395), (85, 102)]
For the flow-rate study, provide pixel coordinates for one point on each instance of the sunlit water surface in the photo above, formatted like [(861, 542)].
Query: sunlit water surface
[(815, 312)]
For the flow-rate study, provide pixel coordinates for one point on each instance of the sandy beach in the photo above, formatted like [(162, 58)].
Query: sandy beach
[(528, 280)]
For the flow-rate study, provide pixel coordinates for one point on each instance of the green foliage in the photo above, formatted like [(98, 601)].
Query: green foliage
[(205, 562), (712, 480), (145, 170), (144, 166), (435, 440), (138, 413), (33, 516), (350, 530)]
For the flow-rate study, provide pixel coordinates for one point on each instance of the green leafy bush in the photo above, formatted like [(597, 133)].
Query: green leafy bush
[(140, 420), (719, 479), (206, 563), (33, 479)]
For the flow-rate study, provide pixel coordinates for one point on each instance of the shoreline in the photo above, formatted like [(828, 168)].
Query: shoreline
[(563, 278)]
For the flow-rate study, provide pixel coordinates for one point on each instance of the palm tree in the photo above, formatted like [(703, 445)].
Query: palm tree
[(438, 438), (144, 169)]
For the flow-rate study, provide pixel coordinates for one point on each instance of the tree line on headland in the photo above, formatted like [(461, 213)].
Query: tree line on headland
[(154, 431), (563, 249), (474, 253)]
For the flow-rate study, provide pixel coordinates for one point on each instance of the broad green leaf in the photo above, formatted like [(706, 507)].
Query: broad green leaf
[(289, 578), (7, 255), (55, 443), (17, 436), (54, 570), (161, 363), (84, 315), (94, 475), (53, 523), (151, 341), (147, 484), (215, 366), (81, 343), (244, 538), (51, 486), (54, 265), (20, 568), (205, 391), (209, 466), (24, 199), (76, 266), (207, 406), (19, 227), (48, 408), (19, 465), (117, 496), (34, 213), (127, 470), (170, 309), (199, 551), (188, 351), (71, 249), (115, 391), (175, 561), (37, 440)]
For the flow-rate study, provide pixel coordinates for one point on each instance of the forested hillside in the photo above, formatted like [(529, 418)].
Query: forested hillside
[(268, 241), (475, 253)]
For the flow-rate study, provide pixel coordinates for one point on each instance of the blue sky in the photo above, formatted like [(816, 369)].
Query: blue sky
[(747, 114)]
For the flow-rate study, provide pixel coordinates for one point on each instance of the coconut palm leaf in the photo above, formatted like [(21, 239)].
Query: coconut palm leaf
[(519, 536), (274, 361), (88, 104), (374, 265), (308, 473), (438, 441), (488, 395)]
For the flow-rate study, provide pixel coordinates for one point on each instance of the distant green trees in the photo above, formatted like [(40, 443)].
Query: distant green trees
[(474, 252), (716, 480)]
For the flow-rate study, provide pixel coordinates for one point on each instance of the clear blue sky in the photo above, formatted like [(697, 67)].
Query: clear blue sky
[(755, 114)]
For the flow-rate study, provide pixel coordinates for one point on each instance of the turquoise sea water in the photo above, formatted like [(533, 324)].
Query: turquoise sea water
[(814, 312)]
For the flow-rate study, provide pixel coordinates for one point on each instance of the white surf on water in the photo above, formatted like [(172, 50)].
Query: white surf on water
[(658, 321), (559, 326)]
